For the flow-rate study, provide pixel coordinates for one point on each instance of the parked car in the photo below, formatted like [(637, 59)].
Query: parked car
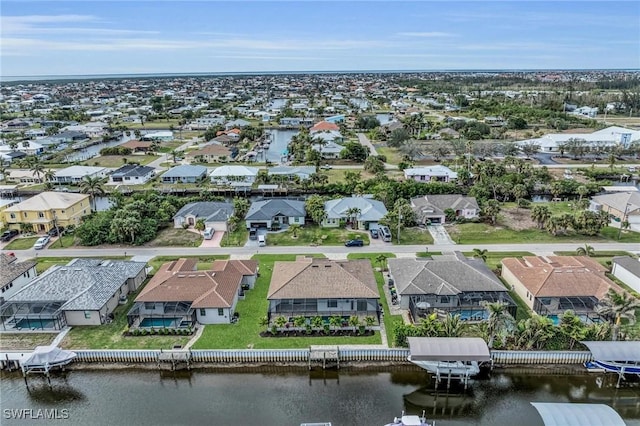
[(354, 243), (53, 232), (41, 242), (8, 235), (373, 232), (327, 167), (253, 234)]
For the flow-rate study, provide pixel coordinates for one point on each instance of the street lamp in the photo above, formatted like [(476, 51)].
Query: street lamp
[(624, 219)]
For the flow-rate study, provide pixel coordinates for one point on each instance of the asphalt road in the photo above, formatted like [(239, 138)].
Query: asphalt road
[(329, 251)]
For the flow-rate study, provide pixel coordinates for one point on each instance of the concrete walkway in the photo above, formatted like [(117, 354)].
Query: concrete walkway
[(60, 336), (195, 337)]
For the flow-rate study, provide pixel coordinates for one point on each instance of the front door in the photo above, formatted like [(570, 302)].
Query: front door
[(191, 221)]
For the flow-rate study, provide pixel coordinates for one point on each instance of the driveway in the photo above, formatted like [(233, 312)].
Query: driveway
[(439, 234), (254, 243), (213, 242)]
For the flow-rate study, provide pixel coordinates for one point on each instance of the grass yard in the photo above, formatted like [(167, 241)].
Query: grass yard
[(494, 258), (175, 237), (246, 332), (390, 321), (392, 154), (313, 235), (10, 341), (65, 241), (117, 160), (21, 243), (153, 125), (415, 235), (482, 233), (109, 336), (626, 236), (237, 238)]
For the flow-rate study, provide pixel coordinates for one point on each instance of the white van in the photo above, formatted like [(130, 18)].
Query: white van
[(384, 233), (262, 240), (208, 233)]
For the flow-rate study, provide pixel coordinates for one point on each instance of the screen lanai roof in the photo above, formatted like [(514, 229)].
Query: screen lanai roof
[(614, 351), (448, 349), (567, 414)]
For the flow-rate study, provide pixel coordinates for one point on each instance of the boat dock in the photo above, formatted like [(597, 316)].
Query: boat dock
[(325, 354)]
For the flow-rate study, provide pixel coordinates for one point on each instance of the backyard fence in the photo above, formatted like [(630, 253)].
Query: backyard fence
[(345, 354)]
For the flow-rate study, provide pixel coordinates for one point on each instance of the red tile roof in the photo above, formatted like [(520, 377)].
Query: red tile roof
[(324, 126)]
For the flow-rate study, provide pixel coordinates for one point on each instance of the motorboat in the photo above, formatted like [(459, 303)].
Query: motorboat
[(410, 420), (631, 367)]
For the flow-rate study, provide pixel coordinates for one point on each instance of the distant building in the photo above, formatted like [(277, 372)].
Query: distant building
[(132, 174)]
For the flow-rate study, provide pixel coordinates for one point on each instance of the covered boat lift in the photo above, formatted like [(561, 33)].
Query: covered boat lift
[(43, 359), (619, 357), (451, 357), (567, 414)]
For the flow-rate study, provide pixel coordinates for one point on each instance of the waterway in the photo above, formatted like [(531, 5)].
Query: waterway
[(279, 141), (93, 150), (291, 396)]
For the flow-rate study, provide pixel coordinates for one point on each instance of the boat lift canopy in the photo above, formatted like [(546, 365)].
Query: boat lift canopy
[(448, 349), (567, 414), (614, 351)]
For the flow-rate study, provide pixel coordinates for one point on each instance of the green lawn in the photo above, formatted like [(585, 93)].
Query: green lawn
[(109, 336), (428, 253), (15, 341), (237, 238), (21, 243), (626, 236), (392, 154), (415, 235), (390, 321), (175, 237), (117, 160), (65, 241), (153, 125), (313, 235), (494, 258), (246, 332)]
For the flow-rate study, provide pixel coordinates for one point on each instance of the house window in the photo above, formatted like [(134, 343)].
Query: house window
[(362, 305), (87, 314), (13, 215), (444, 299), (40, 214), (149, 305), (296, 219), (24, 214), (332, 303), (203, 312), (220, 312)]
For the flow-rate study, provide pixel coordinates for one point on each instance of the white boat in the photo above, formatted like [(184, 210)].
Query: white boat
[(410, 420), (453, 368)]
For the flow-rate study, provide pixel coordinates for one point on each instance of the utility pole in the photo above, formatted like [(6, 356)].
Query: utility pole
[(624, 219), (399, 222)]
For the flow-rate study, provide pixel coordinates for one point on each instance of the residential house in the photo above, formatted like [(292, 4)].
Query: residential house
[(27, 147), (203, 123), (550, 285), (610, 136), (4, 203), (436, 173), (296, 121), (311, 287), (76, 174), (24, 176), (324, 126), (184, 174), (180, 296), (275, 211), (292, 172), (239, 123), (132, 174), (329, 150), (15, 275), (236, 176), (625, 206), (365, 211), (211, 153), (328, 136), (214, 214), (453, 284), (627, 270), (430, 209), (82, 292), (48, 209), (160, 136), (137, 146), (11, 157)]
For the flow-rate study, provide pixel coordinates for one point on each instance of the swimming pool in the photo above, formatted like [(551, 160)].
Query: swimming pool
[(159, 322), (471, 315), (35, 323), (583, 317)]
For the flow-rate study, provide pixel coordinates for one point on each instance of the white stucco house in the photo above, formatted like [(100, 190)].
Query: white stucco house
[(627, 270), (237, 176)]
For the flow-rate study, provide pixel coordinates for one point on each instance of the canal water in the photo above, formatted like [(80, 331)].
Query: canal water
[(279, 141), (288, 396)]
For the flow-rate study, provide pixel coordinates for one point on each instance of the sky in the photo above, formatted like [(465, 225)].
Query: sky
[(157, 36)]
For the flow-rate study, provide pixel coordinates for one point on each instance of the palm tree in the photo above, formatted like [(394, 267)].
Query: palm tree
[(499, 319), (200, 225), (294, 227), (36, 167), (3, 172), (541, 215), (352, 216), (382, 260), (335, 321), (480, 253), (92, 185), (572, 326), (587, 250), (49, 175), (619, 306), (452, 326)]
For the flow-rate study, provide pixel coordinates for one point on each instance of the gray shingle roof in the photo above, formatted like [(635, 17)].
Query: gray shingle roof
[(84, 284), (630, 264), (443, 275), (10, 268), (133, 170), (186, 170), (267, 209), (370, 210), (210, 211), (437, 204)]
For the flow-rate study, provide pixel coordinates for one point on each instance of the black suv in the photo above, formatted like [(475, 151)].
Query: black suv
[(53, 232), (354, 243), (8, 235)]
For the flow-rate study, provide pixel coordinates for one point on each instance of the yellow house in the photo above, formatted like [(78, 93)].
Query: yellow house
[(4, 204), (47, 208)]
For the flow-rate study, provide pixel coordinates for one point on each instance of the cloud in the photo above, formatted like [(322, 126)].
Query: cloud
[(426, 34)]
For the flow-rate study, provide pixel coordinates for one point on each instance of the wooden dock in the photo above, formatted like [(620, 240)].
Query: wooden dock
[(328, 356)]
